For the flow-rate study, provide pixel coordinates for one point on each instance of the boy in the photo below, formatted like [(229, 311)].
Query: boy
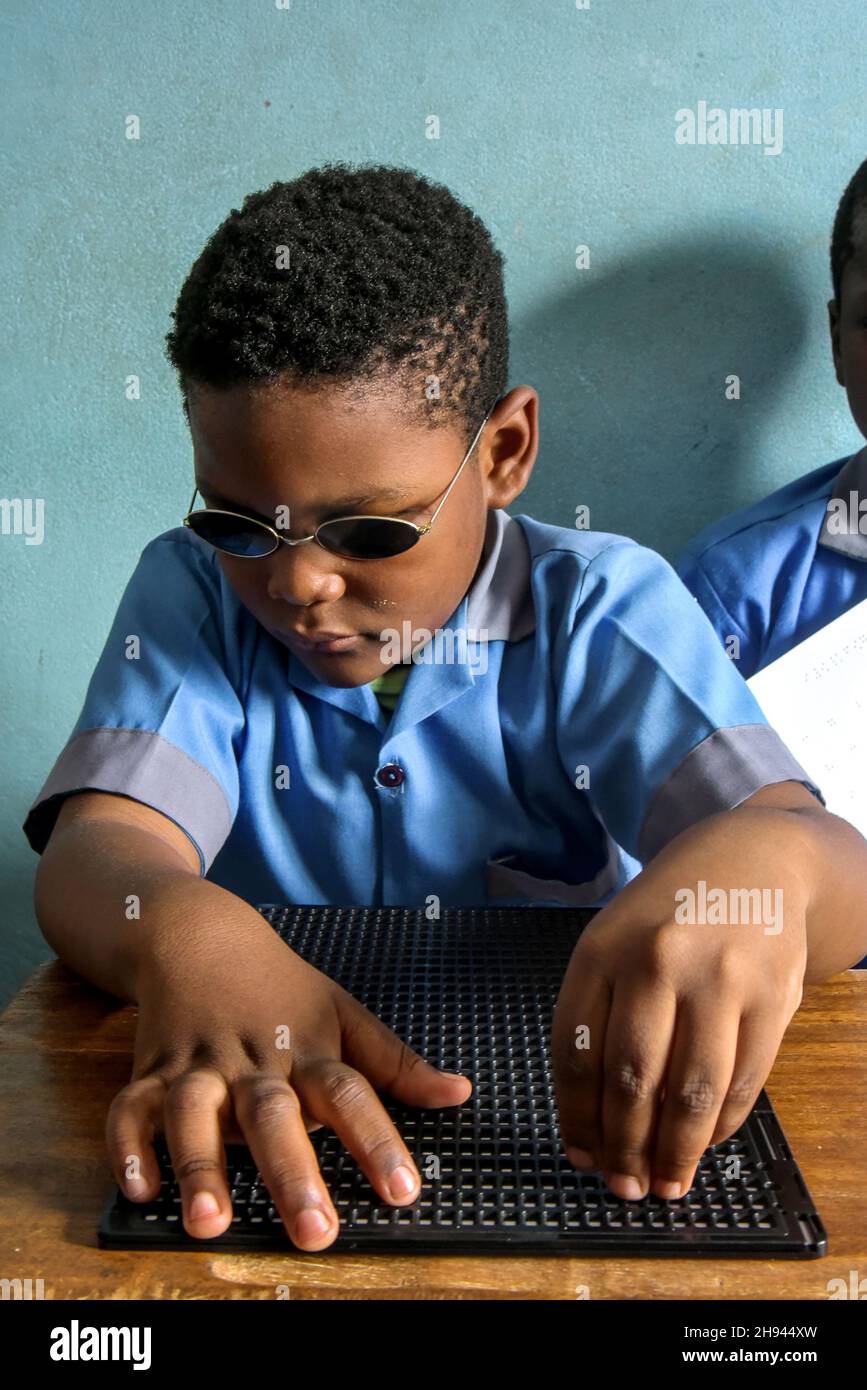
[(341, 345), (773, 574)]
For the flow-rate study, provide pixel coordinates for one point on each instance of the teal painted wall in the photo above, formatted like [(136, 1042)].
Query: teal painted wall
[(557, 126)]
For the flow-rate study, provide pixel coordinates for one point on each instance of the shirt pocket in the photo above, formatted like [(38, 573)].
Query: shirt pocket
[(506, 880)]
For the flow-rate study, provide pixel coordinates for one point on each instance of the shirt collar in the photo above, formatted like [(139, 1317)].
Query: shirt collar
[(499, 600), (840, 526)]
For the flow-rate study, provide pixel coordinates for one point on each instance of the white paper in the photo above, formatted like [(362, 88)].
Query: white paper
[(816, 698)]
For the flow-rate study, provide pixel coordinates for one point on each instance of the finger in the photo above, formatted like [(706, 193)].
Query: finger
[(134, 1116), (758, 1043), (698, 1077), (577, 1053), (371, 1048), (345, 1100), (637, 1045), (270, 1115), (193, 1110), (233, 1134)]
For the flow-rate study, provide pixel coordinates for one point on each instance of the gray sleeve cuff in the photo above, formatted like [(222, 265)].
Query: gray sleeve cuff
[(143, 765), (729, 766)]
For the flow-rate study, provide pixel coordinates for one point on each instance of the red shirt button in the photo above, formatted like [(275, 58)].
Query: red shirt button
[(390, 775)]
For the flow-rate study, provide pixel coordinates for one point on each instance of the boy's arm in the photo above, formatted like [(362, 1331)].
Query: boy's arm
[(236, 1034), (103, 850), (679, 992), (802, 844), (668, 1021)]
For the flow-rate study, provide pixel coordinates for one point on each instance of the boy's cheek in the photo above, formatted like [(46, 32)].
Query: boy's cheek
[(858, 407), (855, 376)]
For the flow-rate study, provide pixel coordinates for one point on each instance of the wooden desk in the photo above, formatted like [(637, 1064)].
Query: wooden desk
[(66, 1051)]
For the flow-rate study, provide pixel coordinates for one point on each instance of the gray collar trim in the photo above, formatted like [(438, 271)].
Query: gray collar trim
[(500, 601), (844, 519)]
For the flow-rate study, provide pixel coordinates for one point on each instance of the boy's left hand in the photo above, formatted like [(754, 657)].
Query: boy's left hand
[(683, 1021)]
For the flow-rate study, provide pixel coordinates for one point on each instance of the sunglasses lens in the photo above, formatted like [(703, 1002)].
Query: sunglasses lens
[(367, 538), (232, 534)]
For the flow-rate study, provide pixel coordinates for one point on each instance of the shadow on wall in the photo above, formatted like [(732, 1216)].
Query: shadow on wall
[(631, 370)]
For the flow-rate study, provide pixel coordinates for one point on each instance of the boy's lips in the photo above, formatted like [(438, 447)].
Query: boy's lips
[(322, 641)]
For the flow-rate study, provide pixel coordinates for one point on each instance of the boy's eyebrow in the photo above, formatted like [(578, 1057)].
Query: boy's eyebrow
[(345, 504)]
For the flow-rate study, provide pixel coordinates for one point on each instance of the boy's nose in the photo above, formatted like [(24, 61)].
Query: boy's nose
[(305, 574)]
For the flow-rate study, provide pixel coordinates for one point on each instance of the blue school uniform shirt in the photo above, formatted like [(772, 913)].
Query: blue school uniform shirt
[(775, 573), (590, 718)]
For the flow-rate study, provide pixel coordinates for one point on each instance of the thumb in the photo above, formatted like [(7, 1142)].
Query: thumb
[(390, 1065)]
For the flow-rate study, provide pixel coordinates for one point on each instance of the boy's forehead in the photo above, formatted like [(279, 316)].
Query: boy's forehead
[(357, 449), (858, 260), (376, 422), (854, 280)]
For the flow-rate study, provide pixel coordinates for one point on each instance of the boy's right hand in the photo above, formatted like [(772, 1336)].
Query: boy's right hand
[(211, 1063)]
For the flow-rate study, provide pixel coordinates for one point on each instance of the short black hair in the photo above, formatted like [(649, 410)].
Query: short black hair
[(843, 246), (390, 277)]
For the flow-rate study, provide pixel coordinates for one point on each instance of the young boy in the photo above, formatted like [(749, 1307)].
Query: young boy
[(773, 574), (342, 348)]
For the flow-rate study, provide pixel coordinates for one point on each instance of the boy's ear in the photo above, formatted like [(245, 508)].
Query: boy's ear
[(834, 325), (514, 447)]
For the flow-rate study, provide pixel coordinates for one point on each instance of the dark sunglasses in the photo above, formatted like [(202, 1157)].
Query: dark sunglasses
[(354, 537)]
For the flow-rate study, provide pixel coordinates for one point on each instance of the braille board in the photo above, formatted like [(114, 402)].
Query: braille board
[(474, 992)]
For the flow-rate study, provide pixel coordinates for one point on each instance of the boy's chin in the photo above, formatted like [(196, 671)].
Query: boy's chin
[(344, 668)]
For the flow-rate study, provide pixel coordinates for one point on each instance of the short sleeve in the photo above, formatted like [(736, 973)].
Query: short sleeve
[(650, 705), (730, 619), (161, 719)]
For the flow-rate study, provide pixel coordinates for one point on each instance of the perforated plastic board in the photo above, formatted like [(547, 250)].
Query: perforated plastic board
[(474, 992)]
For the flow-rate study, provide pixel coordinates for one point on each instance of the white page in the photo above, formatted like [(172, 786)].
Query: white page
[(816, 698)]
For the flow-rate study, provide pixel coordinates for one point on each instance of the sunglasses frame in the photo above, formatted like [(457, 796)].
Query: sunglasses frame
[(395, 520)]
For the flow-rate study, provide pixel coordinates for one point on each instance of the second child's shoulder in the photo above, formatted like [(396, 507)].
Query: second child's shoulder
[(790, 509)]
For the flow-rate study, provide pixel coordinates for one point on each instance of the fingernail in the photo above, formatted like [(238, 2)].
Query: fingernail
[(135, 1187), (454, 1076), (203, 1204), (402, 1182), (579, 1157), (625, 1186), (311, 1224), (667, 1190)]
